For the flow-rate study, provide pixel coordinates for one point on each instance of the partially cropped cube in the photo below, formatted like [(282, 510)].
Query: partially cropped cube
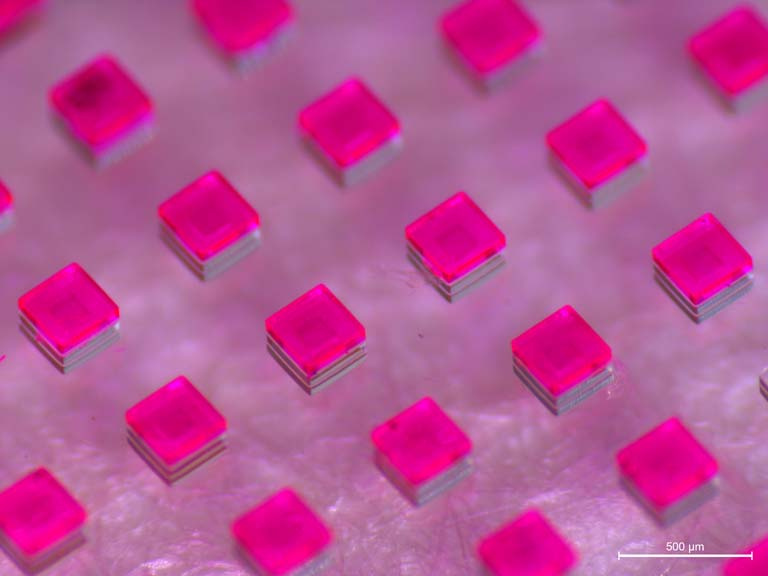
[(282, 536), (757, 565), (104, 109), (69, 317), (176, 430), (598, 153), (703, 267), (6, 208), (246, 31), (456, 246), (40, 521), (733, 55), (422, 451), (527, 546), (316, 339), (209, 225), (351, 132), (562, 360), (492, 38), (13, 12), (669, 471)]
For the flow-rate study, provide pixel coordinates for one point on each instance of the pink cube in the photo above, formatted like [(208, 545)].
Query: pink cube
[(598, 153), (351, 131), (69, 317), (755, 566), (316, 339), (13, 12), (40, 521), (422, 451), (527, 546), (455, 245), (6, 208), (733, 54), (703, 267), (282, 536), (668, 471), (562, 360), (492, 38), (245, 30), (104, 109), (209, 225)]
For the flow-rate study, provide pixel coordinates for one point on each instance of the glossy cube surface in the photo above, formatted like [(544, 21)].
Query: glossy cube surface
[(282, 535), (13, 11), (755, 566), (527, 546)]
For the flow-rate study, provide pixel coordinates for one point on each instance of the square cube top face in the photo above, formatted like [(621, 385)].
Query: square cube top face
[(241, 25), (596, 144), (208, 216), (6, 199), (12, 11), (666, 464), (281, 534), (421, 442), (176, 421), (100, 103), (69, 308), (528, 546), (37, 513), (733, 51), (562, 351), (489, 34), (349, 123), (702, 259), (315, 330), (455, 237), (757, 566)]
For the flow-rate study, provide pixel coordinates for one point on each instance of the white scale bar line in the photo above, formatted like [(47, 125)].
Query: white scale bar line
[(623, 555)]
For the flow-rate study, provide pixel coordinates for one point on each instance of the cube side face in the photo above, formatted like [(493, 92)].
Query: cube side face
[(69, 308), (315, 330), (562, 351), (666, 464), (757, 566), (596, 144), (455, 237), (702, 259), (421, 442)]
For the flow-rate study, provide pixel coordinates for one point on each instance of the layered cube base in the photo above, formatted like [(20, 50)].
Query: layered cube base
[(666, 515), (44, 560), (764, 383), (248, 60), (314, 567)]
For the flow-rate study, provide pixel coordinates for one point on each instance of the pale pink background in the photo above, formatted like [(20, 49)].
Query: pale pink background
[(702, 159)]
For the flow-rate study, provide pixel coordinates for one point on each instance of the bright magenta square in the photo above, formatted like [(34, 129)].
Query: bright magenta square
[(209, 215), (37, 513), (733, 51), (101, 103), (489, 34), (349, 123), (666, 464), (562, 351), (596, 144), (69, 308), (282, 534), (702, 259), (455, 237), (241, 25), (315, 330), (6, 199), (176, 421), (421, 442), (12, 11), (527, 546), (757, 566)]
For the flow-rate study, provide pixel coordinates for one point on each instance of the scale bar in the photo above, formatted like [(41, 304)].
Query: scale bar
[(623, 555)]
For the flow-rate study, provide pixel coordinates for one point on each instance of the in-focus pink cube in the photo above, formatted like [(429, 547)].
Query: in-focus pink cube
[(6, 208), (527, 546), (598, 152), (455, 245), (69, 317), (13, 12), (351, 131), (668, 471), (755, 566), (422, 451), (105, 110), (40, 521), (733, 54), (492, 38), (176, 429), (209, 225), (703, 267), (316, 339), (282, 536), (562, 360), (245, 30)]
